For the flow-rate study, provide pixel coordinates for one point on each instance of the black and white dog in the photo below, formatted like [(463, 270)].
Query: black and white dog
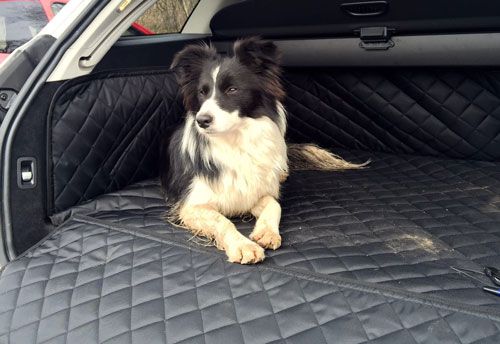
[(230, 155)]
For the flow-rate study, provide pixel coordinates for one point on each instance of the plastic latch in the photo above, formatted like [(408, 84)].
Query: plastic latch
[(375, 38), (26, 173)]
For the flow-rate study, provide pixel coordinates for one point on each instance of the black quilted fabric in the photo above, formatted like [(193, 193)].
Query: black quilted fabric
[(106, 133), (367, 255), (403, 222), (90, 282), (106, 129), (444, 112)]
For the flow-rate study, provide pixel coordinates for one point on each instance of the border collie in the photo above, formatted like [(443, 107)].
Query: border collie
[(230, 156)]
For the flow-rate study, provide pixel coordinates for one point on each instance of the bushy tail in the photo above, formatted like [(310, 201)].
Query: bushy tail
[(311, 157)]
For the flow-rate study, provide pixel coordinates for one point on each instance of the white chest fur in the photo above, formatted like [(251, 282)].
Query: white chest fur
[(251, 161)]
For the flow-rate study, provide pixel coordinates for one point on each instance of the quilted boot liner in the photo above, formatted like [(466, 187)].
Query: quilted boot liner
[(366, 255), (92, 281), (404, 221)]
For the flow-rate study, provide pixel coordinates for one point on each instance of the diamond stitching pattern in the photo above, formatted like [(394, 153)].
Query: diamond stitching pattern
[(433, 112), (440, 112), (104, 138), (399, 224), (124, 287), (403, 222)]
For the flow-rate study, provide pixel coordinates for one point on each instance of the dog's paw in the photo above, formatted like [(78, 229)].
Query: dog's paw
[(266, 237), (244, 251)]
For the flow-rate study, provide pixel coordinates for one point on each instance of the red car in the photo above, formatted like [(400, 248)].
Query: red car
[(20, 20)]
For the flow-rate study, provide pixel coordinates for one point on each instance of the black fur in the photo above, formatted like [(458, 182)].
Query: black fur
[(187, 65), (181, 169), (249, 81), (249, 96), (254, 70), (263, 58)]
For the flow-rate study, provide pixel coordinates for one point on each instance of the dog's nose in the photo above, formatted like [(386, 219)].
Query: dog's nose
[(204, 120)]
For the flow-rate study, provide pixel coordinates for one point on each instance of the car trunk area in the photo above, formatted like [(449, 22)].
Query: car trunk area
[(367, 255)]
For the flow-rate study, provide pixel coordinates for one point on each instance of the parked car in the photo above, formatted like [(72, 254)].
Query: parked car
[(392, 253), (21, 20)]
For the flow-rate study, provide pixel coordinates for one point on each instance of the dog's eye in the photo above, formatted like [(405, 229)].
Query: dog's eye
[(231, 90), (204, 90)]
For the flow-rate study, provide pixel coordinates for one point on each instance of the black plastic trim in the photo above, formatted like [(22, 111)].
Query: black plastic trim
[(323, 18), (141, 52)]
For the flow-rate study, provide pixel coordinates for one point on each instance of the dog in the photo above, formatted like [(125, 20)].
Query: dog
[(230, 155)]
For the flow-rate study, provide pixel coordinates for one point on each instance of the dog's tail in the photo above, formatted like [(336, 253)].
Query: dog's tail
[(311, 157)]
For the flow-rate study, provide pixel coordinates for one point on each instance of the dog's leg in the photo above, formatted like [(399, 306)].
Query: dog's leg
[(266, 232), (207, 221)]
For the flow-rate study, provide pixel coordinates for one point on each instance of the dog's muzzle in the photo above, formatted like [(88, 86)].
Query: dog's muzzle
[(204, 120)]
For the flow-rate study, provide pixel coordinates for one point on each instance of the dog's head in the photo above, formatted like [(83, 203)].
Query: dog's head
[(221, 91)]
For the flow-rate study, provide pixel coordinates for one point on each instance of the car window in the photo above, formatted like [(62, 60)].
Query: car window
[(56, 7), (167, 16), (19, 22)]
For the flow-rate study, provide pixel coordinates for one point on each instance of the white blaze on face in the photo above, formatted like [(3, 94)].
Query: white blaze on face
[(222, 120)]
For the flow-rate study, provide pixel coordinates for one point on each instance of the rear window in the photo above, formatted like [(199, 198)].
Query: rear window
[(167, 16), (56, 7), (19, 22)]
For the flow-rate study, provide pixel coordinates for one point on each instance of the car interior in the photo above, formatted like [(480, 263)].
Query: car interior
[(392, 253)]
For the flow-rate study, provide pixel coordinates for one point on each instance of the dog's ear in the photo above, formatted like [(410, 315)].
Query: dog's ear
[(187, 67), (189, 61), (262, 57), (257, 53)]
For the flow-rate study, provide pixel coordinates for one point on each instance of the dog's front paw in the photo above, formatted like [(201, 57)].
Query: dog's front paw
[(266, 237), (244, 251)]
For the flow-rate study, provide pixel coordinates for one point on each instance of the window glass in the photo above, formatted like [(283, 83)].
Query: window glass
[(19, 22), (56, 7), (167, 16)]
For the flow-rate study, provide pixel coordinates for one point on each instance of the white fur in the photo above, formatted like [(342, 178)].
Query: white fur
[(281, 117), (189, 142), (215, 72), (223, 120), (251, 158), (250, 153)]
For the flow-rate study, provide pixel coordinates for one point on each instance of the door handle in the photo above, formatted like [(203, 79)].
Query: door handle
[(365, 8)]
